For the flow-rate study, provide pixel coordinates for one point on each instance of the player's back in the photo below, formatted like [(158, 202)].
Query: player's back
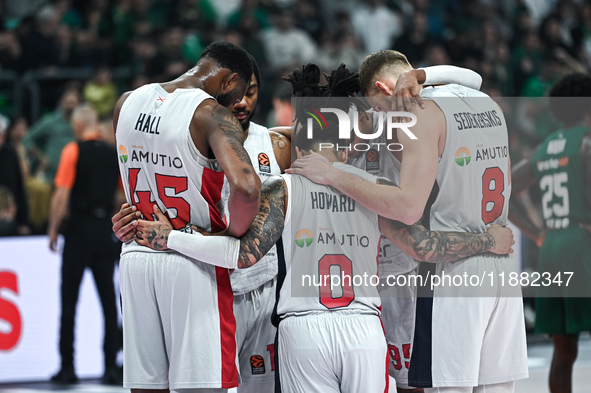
[(159, 162), (560, 173), (472, 187), (380, 161), (327, 233)]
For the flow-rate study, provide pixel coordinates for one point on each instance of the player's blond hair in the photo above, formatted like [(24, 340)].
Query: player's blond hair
[(380, 64)]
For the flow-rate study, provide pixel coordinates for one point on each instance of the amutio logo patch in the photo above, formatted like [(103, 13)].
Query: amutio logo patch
[(463, 156), (122, 154), (304, 237)]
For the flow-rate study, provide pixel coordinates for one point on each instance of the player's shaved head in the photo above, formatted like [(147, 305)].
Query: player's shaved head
[(231, 57), (385, 63)]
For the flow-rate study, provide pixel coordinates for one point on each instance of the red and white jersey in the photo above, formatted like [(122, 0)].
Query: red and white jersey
[(330, 250), (472, 181), (159, 162)]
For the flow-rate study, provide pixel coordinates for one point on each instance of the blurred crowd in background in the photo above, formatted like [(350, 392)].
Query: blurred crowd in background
[(520, 47)]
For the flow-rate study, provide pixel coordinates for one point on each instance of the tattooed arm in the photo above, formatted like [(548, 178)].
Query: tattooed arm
[(219, 250), (438, 246), (216, 132), (267, 226), (282, 150)]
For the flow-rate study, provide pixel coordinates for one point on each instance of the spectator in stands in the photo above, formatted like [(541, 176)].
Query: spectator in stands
[(286, 45), (194, 14), (38, 191), (169, 61), (376, 25), (37, 38), (10, 51), (85, 188), (14, 208), (101, 93), (50, 134), (415, 41), (250, 29), (249, 9), (308, 17)]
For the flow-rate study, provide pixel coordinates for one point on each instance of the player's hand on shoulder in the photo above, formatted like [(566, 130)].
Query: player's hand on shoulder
[(407, 92), (125, 222), (154, 234), (503, 239), (314, 166)]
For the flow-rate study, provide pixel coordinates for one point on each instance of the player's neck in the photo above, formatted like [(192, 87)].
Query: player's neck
[(199, 77), (246, 130), (330, 155)]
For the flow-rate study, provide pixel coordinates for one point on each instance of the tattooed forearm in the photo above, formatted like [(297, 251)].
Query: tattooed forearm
[(438, 246), (267, 226), (232, 130), (157, 236)]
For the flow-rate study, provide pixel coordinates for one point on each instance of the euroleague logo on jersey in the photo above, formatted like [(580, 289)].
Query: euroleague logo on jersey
[(304, 237), (372, 160), (264, 163), (257, 365)]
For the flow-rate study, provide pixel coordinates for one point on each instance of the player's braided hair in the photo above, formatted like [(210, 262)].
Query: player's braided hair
[(305, 82)]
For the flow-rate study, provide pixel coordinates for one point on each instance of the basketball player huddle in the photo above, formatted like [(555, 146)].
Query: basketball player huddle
[(217, 246)]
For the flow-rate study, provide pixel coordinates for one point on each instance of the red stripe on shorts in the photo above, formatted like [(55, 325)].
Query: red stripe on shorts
[(211, 190), (227, 328)]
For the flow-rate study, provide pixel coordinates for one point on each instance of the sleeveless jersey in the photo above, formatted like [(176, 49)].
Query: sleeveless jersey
[(560, 174), (259, 147), (328, 236), (379, 161), (472, 189), (160, 164)]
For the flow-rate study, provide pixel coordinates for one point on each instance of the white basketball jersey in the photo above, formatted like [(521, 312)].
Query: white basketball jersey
[(328, 236), (160, 164), (259, 147), (379, 161), (472, 183)]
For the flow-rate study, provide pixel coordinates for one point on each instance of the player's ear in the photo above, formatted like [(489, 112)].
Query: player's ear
[(299, 153), (383, 88), (230, 81), (363, 117), (343, 155)]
